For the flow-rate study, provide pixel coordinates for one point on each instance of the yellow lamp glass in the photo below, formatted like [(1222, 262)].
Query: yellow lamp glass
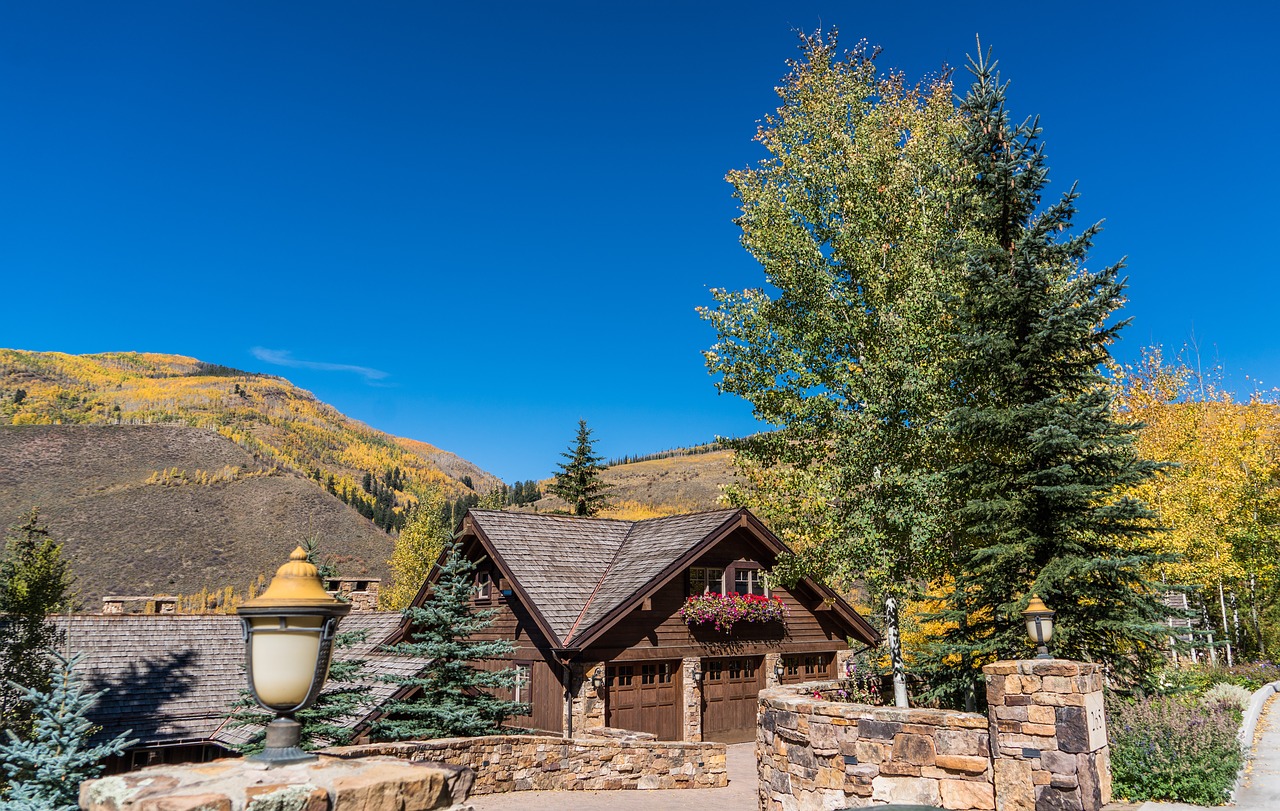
[(284, 658)]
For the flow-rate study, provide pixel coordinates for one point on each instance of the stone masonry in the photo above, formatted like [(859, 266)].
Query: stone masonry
[(505, 763), (1050, 733), (1041, 747), (330, 784)]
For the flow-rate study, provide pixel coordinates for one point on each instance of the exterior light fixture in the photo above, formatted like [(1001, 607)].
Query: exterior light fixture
[(850, 668), (288, 634), (1039, 619), (698, 675), (779, 670), (597, 680)]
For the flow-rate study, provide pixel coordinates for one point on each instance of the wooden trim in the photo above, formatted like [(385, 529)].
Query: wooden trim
[(705, 652)]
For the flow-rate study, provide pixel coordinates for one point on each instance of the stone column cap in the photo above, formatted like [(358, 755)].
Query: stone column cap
[(1041, 667)]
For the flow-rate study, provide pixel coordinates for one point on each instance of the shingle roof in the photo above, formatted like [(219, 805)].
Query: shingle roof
[(174, 678), (577, 570)]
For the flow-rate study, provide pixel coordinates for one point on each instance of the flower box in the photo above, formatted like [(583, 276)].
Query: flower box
[(723, 611)]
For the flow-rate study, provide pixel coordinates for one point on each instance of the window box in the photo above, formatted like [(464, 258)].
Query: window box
[(723, 611)]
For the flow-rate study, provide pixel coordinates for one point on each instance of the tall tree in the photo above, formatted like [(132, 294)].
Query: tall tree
[(452, 697), (45, 770), (35, 581), (578, 481), (851, 219), (417, 549), (1044, 461)]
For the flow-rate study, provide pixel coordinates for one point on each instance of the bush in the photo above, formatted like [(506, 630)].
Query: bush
[(1196, 679), (1165, 749), (1226, 693)]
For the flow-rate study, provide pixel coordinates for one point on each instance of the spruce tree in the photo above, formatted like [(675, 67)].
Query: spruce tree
[(35, 581), (45, 771), (578, 480), (1043, 461), (451, 696)]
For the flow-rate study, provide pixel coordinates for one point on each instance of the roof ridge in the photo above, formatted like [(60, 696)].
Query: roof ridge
[(603, 576), (559, 516), (685, 515)]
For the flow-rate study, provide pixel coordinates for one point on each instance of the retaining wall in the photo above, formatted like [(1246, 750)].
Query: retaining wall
[(505, 763)]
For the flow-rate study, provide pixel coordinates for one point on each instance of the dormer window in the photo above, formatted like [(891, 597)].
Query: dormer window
[(706, 580), (748, 581), (484, 586)]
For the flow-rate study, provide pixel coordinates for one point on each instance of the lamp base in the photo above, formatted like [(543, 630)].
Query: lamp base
[(1042, 652), (283, 736)]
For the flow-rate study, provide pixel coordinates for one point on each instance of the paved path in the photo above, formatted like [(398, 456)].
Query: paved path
[(740, 795)]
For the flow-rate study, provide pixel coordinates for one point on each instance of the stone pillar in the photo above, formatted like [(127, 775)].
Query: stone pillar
[(587, 704), (1048, 735), (770, 665), (691, 721), (843, 659)]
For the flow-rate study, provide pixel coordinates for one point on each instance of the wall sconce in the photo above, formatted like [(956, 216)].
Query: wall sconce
[(288, 636), (698, 676), (850, 668), (779, 670), (1039, 619), (597, 680)]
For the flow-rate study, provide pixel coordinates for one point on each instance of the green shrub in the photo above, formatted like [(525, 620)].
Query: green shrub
[(1163, 748), (1226, 693)]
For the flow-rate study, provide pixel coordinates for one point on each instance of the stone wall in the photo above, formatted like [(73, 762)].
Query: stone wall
[(817, 755), (328, 784), (505, 763), (1041, 747)]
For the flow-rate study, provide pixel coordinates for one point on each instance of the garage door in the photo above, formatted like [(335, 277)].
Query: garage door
[(730, 689), (644, 697), (808, 667)]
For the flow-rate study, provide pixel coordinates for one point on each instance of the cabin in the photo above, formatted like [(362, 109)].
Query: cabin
[(594, 608)]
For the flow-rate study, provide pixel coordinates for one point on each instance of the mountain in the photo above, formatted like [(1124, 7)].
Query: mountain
[(165, 473), (673, 482)]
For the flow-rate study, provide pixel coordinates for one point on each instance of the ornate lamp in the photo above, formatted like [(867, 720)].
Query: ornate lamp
[(597, 680), (1039, 619), (779, 670), (698, 676), (288, 634)]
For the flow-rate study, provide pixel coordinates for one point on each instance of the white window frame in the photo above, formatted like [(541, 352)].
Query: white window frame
[(484, 586)]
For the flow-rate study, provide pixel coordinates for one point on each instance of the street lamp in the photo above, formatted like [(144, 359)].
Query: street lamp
[(1039, 619), (288, 635)]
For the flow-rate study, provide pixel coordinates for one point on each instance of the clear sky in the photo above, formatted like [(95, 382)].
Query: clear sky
[(475, 223)]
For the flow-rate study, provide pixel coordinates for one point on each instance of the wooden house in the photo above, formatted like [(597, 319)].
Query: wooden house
[(594, 609)]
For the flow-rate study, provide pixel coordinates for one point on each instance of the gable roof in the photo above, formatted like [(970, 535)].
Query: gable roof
[(174, 678), (577, 576)]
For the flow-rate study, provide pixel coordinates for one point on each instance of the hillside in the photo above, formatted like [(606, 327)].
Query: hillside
[(273, 420), (130, 529), (680, 483)]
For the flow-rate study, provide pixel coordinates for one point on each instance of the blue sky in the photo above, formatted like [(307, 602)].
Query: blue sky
[(474, 224)]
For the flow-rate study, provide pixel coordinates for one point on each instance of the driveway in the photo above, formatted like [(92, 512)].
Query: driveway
[(739, 795)]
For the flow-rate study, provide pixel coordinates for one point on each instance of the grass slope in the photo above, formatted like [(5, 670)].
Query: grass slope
[(658, 487), (124, 535)]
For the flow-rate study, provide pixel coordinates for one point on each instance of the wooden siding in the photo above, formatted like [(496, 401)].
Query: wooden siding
[(544, 693), (660, 633)]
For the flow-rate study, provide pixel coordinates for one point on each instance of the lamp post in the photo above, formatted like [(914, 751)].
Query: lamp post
[(288, 634), (1039, 619)]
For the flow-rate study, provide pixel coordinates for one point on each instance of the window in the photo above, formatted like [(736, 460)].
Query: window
[(484, 586), (704, 580), (648, 674), (619, 675), (520, 688), (748, 581)]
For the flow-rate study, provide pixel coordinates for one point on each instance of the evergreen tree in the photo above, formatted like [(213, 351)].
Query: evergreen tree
[(34, 582), (45, 771), (452, 697), (1042, 458), (578, 480)]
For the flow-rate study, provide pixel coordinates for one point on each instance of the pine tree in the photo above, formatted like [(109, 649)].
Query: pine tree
[(34, 582), (1043, 459), (578, 480), (452, 697), (45, 771)]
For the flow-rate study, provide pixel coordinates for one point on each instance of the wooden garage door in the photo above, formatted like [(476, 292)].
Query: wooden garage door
[(730, 689), (644, 696), (800, 667)]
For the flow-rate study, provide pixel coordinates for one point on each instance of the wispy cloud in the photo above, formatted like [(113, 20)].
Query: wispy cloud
[(283, 357)]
